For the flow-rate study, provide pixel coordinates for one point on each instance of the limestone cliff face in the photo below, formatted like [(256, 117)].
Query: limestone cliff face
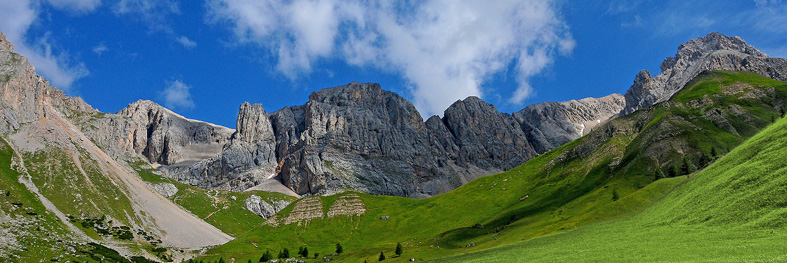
[(236, 166), (551, 124), (26, 96), (155, 133), (361, 137), (711, 52)]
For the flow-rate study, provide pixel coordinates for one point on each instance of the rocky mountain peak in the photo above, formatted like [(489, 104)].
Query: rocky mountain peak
[(698, 48), (354, 93), (711, 52), (253, 123), (5, 45), (642, 76)]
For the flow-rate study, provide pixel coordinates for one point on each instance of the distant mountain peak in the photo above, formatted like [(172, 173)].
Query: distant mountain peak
[(714, 51)]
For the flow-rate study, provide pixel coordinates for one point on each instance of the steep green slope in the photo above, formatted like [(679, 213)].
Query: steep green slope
[(225, 210), (614, 171), (30, 232), (734, 210)]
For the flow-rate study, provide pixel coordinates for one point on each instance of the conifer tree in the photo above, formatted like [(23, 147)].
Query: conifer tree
[(339, 248), (398, 249), (382, 257)]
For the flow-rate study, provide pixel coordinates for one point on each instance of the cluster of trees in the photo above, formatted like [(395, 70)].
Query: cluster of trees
[(686, 166), (399, 250), (303, 252)]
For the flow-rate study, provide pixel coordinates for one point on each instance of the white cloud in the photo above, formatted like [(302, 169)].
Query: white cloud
[(186, 42), (76, 5), (100, 48), (177, 95), (16, 17), (444, 48)]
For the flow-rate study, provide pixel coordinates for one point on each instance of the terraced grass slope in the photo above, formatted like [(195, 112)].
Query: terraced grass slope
[(615, 171), (733, 211)]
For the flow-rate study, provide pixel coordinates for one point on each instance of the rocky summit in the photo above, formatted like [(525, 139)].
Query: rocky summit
[(711, 52)]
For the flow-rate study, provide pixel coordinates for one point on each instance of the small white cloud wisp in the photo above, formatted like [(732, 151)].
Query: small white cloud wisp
[(177, 95), (445, 49), (16, 17), (186, 42)]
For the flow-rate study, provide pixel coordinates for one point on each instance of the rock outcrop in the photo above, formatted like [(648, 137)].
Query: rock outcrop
[(248, 154), (165, 189), (549, 125), (156, 134), (711, 52), (259, 207)]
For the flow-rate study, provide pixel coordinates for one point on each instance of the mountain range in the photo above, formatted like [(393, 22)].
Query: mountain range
[(91, 171)]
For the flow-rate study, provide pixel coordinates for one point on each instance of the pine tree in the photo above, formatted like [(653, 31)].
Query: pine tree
[(398, 249), (382, 257), (266, 256), (305, 252), (339, 249), (673, 170), (687, 168), (660, 174), (221, 260), (286, 253)]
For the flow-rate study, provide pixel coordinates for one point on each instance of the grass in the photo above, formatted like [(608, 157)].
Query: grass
[(225, 210), (733, 211), (559, 191), (41, 236)]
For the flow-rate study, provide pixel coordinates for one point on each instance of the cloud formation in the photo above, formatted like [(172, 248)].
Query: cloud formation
[(177, 95), (16, 17), (186, 42), (100, 48), (444, 48)]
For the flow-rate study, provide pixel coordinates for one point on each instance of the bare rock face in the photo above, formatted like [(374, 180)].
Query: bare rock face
[(712, 52), (158, 135), (549, 125), (259, 207), (165, 189), (251, 147), (358, 136), (25, 96)]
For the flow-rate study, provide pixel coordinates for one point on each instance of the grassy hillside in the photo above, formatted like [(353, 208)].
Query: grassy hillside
[(30, 232), (615, 171), (734, 211), (224, 209)]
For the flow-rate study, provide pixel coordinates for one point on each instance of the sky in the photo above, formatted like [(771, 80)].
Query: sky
[(203, 58)]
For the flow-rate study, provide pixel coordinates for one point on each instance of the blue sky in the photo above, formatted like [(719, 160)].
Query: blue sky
[(203, 59)]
